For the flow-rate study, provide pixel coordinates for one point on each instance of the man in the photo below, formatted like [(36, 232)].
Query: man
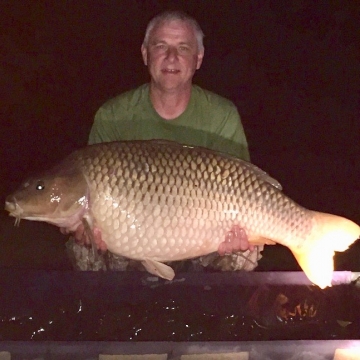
[(170, 107)]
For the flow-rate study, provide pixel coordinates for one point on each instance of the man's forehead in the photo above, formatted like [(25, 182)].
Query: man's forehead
[(178, 29)]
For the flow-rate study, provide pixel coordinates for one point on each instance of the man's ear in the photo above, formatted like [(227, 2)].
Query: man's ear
[(144, 54), (200, 57)]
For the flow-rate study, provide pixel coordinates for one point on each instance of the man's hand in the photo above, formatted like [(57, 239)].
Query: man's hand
[(82, 238), (235, 240)]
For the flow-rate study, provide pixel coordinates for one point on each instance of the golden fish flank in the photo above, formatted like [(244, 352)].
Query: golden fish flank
[(158, 201)]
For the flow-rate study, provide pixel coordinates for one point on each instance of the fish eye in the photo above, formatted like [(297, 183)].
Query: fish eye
[(40, 185)]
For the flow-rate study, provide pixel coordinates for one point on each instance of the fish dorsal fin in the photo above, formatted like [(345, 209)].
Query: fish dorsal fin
[(265, 176), (159, 269), (261, 173)]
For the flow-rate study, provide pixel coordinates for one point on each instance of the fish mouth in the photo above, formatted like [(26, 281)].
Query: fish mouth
[(14, 210)]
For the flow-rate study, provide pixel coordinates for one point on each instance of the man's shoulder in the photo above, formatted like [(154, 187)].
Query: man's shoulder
[(211, 98), (127, 99)]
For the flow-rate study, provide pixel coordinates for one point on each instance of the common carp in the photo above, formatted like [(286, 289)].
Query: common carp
[(159, 201)]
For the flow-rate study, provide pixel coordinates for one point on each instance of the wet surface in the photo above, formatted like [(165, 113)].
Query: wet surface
[(74, 306)]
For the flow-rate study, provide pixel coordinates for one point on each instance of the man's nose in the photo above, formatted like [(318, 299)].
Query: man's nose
[(171, 53)]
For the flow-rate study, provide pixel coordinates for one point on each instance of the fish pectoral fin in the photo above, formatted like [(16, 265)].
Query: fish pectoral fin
[(159, 269), (87, 222), (260, 240), (330, 233)]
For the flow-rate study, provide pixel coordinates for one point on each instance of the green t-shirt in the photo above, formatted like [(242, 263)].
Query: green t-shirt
[(209, 120)]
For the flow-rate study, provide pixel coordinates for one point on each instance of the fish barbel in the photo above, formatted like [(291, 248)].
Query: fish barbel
[(159, 201)]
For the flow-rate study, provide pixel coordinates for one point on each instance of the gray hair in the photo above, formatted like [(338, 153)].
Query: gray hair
[(175, 15)]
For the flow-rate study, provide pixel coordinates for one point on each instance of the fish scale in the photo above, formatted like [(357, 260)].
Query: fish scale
[(158, 201)]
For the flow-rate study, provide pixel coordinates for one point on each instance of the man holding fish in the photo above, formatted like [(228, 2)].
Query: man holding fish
[(156, 201)]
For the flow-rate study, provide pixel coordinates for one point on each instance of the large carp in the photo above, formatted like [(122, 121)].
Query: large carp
[(158, 201)]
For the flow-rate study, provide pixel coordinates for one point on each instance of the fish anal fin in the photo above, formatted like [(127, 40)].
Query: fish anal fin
[(260, 240), (159, 269), (330, 233)]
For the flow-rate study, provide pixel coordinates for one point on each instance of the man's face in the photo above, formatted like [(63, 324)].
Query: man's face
[(172, 55)]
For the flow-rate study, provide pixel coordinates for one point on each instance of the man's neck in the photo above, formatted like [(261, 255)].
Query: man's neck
[(169, 104)]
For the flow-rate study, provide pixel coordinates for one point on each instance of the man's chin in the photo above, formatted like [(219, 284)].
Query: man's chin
[(173, 85)]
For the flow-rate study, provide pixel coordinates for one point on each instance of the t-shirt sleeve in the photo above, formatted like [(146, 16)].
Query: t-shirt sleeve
[(103, 128), (232, 138)]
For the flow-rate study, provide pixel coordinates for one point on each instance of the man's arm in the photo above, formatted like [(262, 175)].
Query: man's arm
[(230, 135), (239, 137), (103, 128)]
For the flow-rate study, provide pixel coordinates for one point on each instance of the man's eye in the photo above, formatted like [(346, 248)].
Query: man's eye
[(183, 48)]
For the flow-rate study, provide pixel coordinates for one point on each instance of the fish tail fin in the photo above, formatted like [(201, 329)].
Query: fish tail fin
[(330, 233)]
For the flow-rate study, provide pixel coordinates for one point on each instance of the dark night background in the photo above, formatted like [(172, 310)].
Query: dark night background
[(292, 68)]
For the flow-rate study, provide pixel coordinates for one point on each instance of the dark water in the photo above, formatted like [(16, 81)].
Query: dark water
[(73, 306)]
